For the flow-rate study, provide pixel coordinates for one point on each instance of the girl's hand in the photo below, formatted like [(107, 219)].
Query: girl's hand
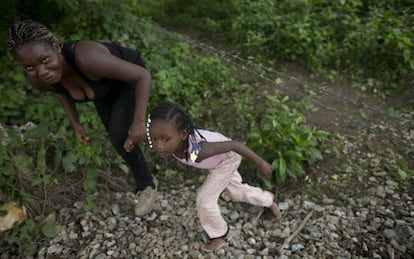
[(81, 135), (265, 169), (136, 134)]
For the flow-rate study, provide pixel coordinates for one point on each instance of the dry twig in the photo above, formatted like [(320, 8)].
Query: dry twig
[(294, 234)]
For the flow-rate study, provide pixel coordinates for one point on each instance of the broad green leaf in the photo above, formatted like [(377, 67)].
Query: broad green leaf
[(41, 159), (50, 229), (25, 161), (402, 174), (69, 162)]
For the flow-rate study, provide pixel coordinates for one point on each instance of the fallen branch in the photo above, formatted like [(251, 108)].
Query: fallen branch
[(294, 234)]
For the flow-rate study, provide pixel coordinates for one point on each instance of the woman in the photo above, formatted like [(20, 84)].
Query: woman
[(114, 78)]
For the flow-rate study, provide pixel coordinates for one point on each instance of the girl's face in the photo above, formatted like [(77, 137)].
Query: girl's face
[(41, 62), (166, 139)]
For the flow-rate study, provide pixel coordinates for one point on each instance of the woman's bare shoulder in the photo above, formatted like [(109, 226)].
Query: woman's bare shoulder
[(89, 47)]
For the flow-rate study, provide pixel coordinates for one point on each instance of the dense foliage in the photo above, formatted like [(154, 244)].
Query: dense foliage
[(369, 40)]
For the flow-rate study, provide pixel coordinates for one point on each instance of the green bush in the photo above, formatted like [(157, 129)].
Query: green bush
[(365, 39), (282, 137), (94, 19), (20, 241), (196, 82)]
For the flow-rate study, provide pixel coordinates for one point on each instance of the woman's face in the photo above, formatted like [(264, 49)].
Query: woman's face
[(166, 139), (41, 62)]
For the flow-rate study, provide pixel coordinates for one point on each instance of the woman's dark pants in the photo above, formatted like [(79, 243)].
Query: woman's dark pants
[(116, 111)]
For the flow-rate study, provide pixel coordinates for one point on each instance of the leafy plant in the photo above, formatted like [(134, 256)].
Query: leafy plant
[(360, 38), (10, 184), (20, 240), (94, 19), (282, 138), (201, 84), (401, 171)]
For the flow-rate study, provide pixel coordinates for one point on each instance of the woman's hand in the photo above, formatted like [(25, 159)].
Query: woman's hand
[(136, 134), (81, 135), (265, 169)]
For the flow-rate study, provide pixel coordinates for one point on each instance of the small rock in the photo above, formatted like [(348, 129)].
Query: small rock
[(389, 233), (115, 209), (296, 247)]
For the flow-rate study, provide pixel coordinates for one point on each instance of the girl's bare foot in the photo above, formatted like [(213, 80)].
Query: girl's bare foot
[(214, 245), (275, 212)]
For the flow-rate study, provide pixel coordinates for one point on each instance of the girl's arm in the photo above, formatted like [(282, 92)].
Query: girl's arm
[(209, 149), (70, 109)]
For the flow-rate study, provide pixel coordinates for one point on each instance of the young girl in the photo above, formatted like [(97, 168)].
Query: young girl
[(171, 132)]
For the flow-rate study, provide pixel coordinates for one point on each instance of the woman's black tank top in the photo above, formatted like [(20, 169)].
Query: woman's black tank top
[(103, 86)]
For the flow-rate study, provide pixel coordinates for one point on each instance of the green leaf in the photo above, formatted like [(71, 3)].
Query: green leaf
[(89, 185), (57, 159), (7, 170), (279, 81), (3, 213), (267, 183), (41, 159), (37, 181), (25, 161), (402, 174), (50, 229), (90, 203), (92, 173), (69, 162)]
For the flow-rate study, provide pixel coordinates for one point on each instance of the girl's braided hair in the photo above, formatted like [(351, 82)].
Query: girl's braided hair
[(28, 32), (173, 112)]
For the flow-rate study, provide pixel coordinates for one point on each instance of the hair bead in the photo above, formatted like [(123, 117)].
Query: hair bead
[(147, 130)]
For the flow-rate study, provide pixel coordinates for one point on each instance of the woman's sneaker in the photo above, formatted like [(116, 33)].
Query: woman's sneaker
[(146, 199)]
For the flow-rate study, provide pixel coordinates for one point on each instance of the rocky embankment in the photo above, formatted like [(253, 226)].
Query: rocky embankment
[(378, 224)]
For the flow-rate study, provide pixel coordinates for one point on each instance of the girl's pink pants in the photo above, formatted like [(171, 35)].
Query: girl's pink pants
[(226, 176)]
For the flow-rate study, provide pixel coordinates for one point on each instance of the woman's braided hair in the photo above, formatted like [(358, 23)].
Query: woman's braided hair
[(28, 32)]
